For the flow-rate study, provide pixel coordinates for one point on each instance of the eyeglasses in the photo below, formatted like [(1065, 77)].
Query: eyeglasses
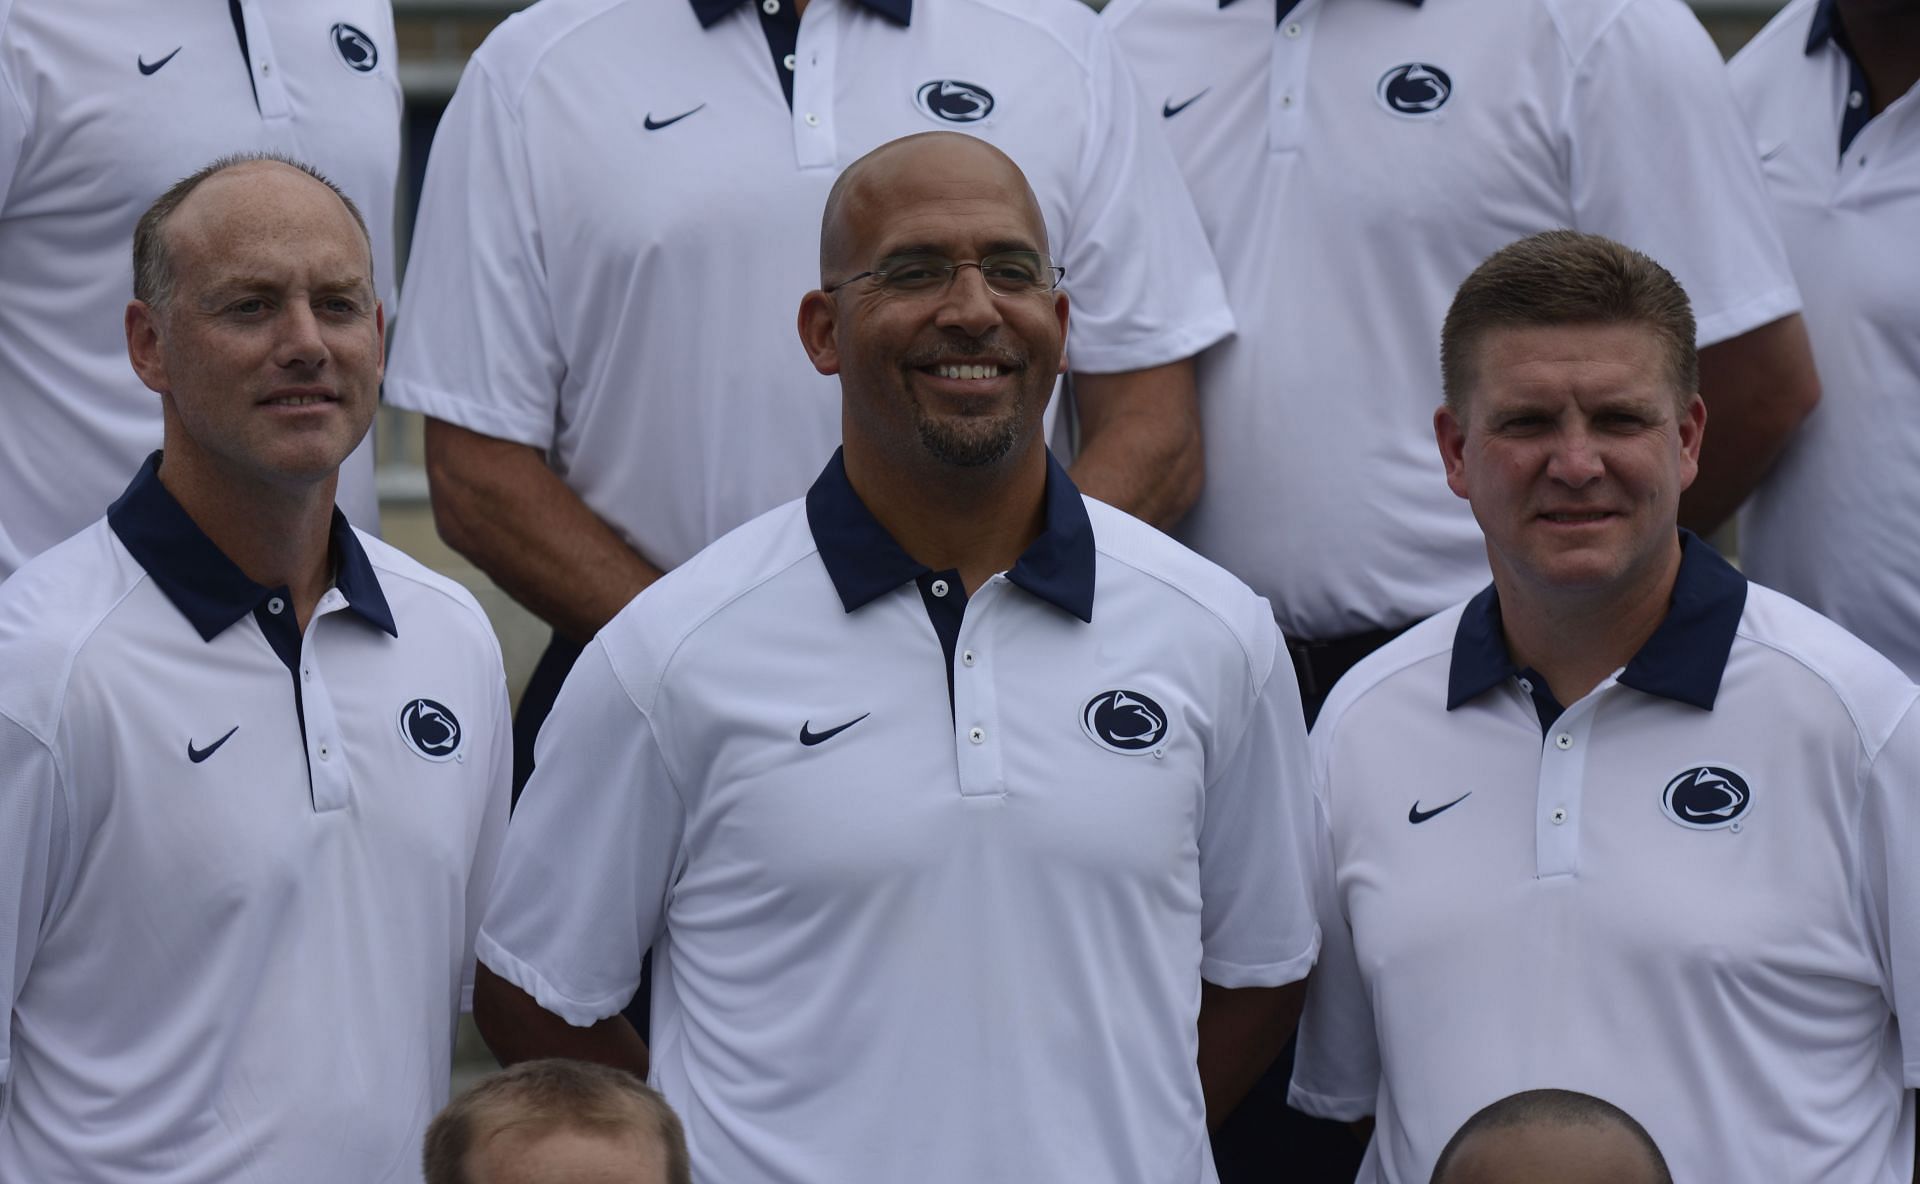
[(1007, 273)]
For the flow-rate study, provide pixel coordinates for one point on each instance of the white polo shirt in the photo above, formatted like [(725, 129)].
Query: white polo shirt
[(103, 106), (1831, 525), (896, 942), (1353, 164), (241, 868), (1692, 893), (622, 212)]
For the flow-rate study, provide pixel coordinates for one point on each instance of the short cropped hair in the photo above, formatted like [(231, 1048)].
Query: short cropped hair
[(552, 1095), (152, 261), (1551, 1107), (1563, 277)]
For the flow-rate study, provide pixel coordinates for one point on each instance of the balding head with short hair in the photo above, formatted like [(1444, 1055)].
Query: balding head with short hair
[(1551, 1136), (495, 1132)]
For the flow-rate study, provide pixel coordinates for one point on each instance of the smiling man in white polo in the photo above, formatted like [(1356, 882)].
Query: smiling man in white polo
[(253, 764), (1622, 823), (938, 793)]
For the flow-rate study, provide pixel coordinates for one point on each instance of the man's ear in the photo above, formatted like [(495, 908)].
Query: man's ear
[(1693, 429), (1451, 435), (819, 328), (1060, 311), (143, 346)]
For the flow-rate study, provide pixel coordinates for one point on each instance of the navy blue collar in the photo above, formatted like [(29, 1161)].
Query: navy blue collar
[(202, 582), (865, 562), (710, 11), (1825, 25), (1683, 660)]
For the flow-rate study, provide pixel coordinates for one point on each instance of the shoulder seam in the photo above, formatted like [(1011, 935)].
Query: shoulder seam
[(1246, 653), (536, 57), (1871, 750)]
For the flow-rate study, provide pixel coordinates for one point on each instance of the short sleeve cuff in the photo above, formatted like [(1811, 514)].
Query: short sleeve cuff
[(579, 1013), (1338, 1107), (535, 432), (1747, 316), (1222, 973), (1165, 346)]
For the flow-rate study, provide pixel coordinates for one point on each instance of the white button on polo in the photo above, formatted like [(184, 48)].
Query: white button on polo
[(1854, 99), (276, 606), (1559, 815), (813, 120), (939, 587), (325, 752), (1293, 29), (307, 674), (1286, 100), (978, 735), (769, 6), (966, 658), (787, 61), (1563, 741), (1526, 684)]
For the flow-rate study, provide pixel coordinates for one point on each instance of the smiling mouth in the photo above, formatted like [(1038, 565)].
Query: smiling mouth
[(298, 400), (1577, 519), (964, 371)]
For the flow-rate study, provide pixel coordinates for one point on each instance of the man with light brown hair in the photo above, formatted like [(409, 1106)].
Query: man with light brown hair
[(1644, 829), (557, 1122)]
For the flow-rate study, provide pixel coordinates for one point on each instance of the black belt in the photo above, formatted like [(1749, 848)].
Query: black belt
[(1319, 664)]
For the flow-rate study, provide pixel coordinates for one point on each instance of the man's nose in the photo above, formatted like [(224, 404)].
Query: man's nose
[(967, 304), (1576, 459), (300, 342)]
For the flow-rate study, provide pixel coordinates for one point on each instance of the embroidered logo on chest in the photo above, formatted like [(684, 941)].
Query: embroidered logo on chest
[(954, 101), (1707, 797), (357, 50), (430, 729), (1126, 722), (1417, 88)]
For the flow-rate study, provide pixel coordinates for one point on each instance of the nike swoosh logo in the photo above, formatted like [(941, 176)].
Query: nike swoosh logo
[(196, 755), (146, 69), (1169, 109), (1416, 815), (811, 738), (653, 126)]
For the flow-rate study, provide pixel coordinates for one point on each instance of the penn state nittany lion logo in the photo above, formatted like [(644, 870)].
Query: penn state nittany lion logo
[(355, 48), (954, 101), (1125, 722), (1707, 797), (1416, 88), (430, 729)]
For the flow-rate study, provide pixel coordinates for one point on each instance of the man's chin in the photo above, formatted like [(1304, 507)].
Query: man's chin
[(972, 445)]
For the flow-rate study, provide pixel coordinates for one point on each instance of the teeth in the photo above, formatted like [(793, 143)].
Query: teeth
[(967, 371), (298, 400)]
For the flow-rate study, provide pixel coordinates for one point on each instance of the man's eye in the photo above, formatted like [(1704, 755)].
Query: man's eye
[(1012, 269), (914, 275), (247, 307)]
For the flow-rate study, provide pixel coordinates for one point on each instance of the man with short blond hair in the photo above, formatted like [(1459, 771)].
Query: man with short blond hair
[(1644, 830), (557, 1122)]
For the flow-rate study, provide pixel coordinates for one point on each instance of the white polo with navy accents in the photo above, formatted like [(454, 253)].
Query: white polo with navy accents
[(1691, 893), (240, 867), (623, 208), (1353, 162), (931, 880), (1831, 524), (104, 104)]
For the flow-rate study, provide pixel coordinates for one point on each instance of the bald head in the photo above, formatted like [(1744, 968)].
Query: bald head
[(153, 268), (1551, 1136), (943, 161)]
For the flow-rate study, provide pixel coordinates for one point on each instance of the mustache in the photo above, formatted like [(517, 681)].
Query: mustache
[(966, 349)]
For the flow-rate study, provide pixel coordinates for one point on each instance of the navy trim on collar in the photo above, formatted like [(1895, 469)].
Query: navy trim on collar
[(1683, 660), (206, 586), (1820, 30), (710, 11), (865, 563)]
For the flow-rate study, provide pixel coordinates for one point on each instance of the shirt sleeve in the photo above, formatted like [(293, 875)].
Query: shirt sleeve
[(1661, 160), (1336, 1068), (478, 347), (493, 833), (13, 115), (1889, 879), (1142, 279), (590, 856), (1257, 848), (33, 845)]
